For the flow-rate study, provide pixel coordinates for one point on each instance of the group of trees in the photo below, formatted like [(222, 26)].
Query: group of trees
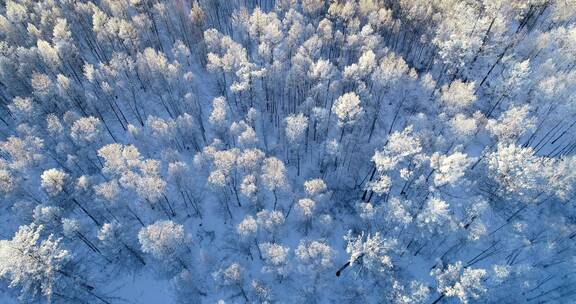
[(289, 151)]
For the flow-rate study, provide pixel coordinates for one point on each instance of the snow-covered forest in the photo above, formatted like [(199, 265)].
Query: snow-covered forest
[(289, 151)]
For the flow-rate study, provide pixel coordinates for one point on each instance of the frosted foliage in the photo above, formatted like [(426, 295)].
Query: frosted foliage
[(296, 126), (332, 147), (403, 143), (108, 190), (312, 6), (560, 176), (53, 124), (85, 129), (347, 108), (306, 207), (42, 85), (516, 169), (153, 63), (225, 160), (230, 275), (501, 272), (275, 257), (163, 239), (458, 95), (219, 113), (399, 146), (233, 274), (265, 26), (343, 10), (390, 70), (366, 63), (108, 232), (247, 227), (512, 124), (15, 12), (160, 128), (248, 186), (70, 226), (370, 251), (274, 174), (118, 158), (48, 53), (7, 182), (405, 173), (477, 231), (321, 70), (367, 211), (417, 292), (449, 169), (46, 214), (314, 255), (384, 162), (435, 213), (381, 185), (515, 79), (455, 36), (53, 181), (463, 126), (31, 263), (218, 178), (461, 282), (23, 152), (150, 188), (134, 172), (82, 183), (248, 137), (314, 186), (22, 106), (270, 220), (397, 210), (250, 159)]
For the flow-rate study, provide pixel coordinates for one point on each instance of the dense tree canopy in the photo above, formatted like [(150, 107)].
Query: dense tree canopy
[(283, 151)]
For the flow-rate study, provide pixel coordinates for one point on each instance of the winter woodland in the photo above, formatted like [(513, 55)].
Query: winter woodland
[(289, 151)]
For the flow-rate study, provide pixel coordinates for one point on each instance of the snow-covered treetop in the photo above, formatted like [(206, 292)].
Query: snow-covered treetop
[(347, 108)]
